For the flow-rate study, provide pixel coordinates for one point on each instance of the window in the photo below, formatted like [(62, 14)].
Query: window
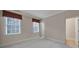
[(35, 27), (12, 22), (13, 26)]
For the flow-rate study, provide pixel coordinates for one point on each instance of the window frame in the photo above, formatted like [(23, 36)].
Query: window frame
[(6, 23)]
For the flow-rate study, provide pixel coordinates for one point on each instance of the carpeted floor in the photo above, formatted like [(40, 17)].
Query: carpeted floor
[(39, 43)]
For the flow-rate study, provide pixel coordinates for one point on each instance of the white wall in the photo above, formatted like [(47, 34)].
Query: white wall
[(55, 26), (78, 30), (0, 27), (26, 31)]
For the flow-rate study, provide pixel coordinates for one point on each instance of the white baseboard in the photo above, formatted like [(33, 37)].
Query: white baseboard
[(7, 44)]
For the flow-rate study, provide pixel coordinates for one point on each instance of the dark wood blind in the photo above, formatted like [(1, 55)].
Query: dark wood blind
[(11, 14), (35, 20)]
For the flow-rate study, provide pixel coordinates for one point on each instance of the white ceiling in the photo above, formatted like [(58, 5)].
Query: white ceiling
[(43, 13)]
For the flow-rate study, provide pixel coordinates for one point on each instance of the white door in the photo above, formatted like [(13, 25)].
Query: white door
[(72, 34)]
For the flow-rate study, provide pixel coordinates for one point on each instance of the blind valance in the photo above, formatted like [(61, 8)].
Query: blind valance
[(11, 14), (35, 20)]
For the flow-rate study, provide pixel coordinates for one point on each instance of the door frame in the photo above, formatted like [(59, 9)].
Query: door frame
[(76, 30)]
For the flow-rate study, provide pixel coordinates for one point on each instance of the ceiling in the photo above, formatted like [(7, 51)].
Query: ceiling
[(43, 13)]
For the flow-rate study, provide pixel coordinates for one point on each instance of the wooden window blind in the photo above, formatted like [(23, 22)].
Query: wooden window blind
[(11, 14), (35, 20)]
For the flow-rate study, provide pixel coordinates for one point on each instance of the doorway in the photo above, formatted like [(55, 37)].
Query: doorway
[(72, 32)]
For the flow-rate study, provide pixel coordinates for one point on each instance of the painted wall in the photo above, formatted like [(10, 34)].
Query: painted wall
[(55, 26), (78, 30), (0, 27), (26, 31)]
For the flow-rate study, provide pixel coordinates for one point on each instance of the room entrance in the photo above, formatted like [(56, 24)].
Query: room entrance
[(72, 32)]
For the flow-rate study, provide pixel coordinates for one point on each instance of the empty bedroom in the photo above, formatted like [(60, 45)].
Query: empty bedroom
[(39, 28)]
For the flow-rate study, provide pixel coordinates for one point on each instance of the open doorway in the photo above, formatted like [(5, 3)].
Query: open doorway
[(72, 32)]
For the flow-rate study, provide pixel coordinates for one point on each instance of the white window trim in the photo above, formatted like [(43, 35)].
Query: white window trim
[(7, 29)]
